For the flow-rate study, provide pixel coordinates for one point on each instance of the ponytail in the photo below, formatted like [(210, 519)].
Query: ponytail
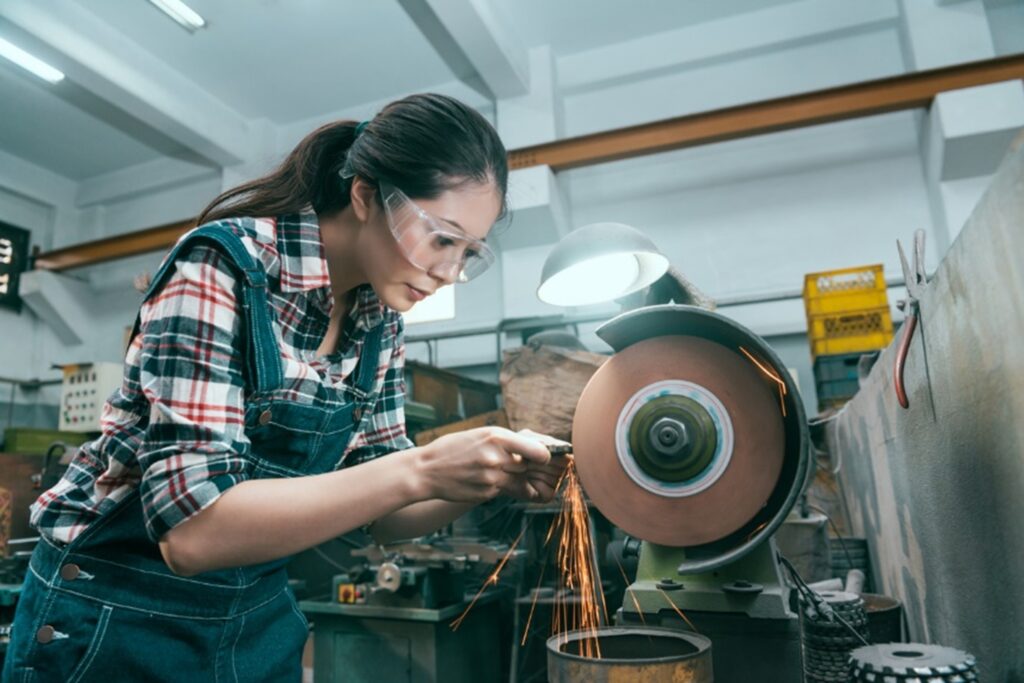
[(423, 144), (308, 176)]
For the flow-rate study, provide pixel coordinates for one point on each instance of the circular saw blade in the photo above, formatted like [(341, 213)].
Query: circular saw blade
[(756, 453)]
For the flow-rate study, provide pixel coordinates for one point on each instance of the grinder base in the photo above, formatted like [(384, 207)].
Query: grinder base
[(743, 607)]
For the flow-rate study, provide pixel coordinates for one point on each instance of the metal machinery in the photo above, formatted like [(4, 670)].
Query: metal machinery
[(693, 439), (390, 619), (429, 573)]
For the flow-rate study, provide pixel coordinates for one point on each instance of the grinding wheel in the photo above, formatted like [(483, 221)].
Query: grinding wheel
[(678, 440)]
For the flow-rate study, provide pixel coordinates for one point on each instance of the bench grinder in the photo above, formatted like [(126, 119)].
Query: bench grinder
[(693, 440)]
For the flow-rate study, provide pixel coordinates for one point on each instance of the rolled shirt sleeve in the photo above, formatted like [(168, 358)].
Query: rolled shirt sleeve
[(192, 374)]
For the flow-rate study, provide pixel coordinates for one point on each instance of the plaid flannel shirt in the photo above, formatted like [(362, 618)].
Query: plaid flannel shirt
[(175, 428)]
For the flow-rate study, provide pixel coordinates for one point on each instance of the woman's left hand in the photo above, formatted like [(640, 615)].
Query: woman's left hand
[(532, 482)]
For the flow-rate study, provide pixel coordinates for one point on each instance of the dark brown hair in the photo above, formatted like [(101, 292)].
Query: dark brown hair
[(422, 144)]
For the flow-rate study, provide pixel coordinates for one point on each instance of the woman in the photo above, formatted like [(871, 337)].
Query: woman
[(262, 384)]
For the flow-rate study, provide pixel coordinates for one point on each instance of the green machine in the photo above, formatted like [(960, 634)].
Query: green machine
[(692, 438), (392, 617)]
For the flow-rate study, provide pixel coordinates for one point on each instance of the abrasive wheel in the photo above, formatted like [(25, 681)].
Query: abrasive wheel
[(679, 440)]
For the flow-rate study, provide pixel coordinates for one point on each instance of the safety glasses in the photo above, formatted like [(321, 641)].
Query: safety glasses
[(432, 244)]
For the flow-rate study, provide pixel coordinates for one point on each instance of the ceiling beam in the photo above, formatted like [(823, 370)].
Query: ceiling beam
[(907, 91), (140, 179), (121, 82), (474, 44), (737, 37), (112, 248)]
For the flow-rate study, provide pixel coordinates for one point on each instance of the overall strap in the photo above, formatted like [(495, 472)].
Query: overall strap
[(369, 359), (262, 356)]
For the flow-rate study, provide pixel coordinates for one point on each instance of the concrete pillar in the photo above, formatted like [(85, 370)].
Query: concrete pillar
[(540, 208), (965, 133)]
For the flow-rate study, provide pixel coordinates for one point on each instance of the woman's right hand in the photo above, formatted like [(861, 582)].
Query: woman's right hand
[(475, 465)]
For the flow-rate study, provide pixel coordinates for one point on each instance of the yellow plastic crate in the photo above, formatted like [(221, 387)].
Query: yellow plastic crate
[(850, 332), (846, 289)]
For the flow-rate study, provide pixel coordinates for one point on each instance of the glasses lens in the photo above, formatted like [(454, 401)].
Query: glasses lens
[(433, 245)]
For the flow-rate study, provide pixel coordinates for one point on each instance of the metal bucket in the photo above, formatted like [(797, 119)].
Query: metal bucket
[(650, 655), (885, 618)]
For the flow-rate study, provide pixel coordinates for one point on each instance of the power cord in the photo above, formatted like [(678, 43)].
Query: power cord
[(835, 529), (818, 602)]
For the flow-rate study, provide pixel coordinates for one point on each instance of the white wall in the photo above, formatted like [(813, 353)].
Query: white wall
[(747, 217), (758, 233), (1006, 20)]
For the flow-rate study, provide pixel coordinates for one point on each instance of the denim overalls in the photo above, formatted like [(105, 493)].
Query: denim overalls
[(106, 607)]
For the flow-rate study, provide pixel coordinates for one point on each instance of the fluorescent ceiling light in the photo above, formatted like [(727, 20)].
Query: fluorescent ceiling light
[(186, 17), (30, 63)]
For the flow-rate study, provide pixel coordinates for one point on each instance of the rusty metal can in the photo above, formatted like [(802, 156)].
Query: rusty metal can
[(651, 655)]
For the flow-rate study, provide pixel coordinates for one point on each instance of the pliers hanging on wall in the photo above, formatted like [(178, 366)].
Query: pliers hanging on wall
[(915, 281)]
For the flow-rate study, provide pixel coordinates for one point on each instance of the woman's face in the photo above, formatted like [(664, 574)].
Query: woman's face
[(398, 282)]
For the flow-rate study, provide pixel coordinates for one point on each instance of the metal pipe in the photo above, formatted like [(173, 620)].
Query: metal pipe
[(30, 384), (651, 655)]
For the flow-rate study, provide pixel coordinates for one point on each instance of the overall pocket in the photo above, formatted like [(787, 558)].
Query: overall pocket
[(69, 639), (284, 433)]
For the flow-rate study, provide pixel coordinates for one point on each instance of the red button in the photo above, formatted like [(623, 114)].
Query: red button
[(45, 634), (70, 572), (266, 416)]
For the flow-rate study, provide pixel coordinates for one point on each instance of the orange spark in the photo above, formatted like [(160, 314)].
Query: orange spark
[(533, 606), (577, 568), (756, 529), (679, 612), (576, 605), (771, 375), (491, 580), (639, 612)]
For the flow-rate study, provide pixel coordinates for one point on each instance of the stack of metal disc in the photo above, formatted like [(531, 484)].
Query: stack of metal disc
[(827, 638), (911, 663)]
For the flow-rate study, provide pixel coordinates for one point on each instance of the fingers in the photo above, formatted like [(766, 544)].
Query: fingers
[(522, 489), (545, 490), (516, 465), (544, 438), (530, 447)]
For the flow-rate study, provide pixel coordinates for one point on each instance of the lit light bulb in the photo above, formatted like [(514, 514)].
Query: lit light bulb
[(595, 280)]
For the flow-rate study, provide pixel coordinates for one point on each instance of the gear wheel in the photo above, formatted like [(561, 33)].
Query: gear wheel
[(912, 663), (827, 640)]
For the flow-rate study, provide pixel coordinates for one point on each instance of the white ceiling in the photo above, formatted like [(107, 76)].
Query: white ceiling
[(293, 60), (576, 26), (39, 126), (289, 62)]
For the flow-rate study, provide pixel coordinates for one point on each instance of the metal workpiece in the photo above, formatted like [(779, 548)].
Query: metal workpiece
[(628, 655)]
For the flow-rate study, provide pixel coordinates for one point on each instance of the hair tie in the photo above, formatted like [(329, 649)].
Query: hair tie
[(361, 127)]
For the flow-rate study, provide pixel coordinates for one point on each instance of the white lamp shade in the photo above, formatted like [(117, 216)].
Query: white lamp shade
[(599, 262)]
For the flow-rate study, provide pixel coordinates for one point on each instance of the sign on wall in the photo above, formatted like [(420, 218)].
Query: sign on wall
[(13, 260)]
